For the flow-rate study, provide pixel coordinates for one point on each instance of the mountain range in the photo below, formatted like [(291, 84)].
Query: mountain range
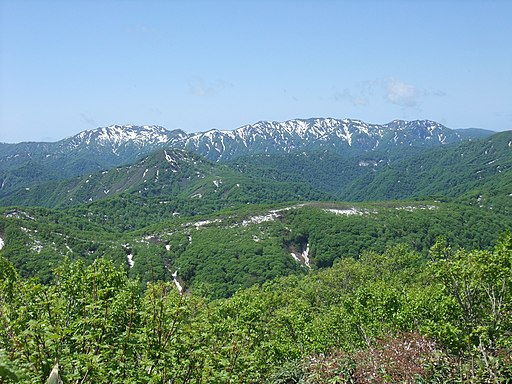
[(24, 165)]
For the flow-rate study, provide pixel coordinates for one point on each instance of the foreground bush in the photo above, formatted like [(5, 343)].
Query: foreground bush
[(385, 318)]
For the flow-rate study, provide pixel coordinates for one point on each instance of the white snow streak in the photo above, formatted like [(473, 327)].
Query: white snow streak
[(260, 219), (176, 282), (305, 255), (217, 183), (202, 223), (411, 208), (131, 263), (270, 216), (345, 212), (18, 214)]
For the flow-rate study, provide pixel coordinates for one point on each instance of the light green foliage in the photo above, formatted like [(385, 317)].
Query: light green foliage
[(103, 328), (480, 283), (250, 312)]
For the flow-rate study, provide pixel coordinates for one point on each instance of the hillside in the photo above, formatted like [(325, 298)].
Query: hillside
[(474, 167), (166, 173), (234, 249), (479, 170), (257, 293)]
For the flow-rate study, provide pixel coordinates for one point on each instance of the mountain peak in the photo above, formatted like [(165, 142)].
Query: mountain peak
[(121, 134)]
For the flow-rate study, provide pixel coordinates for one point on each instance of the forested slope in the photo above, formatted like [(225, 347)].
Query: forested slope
[(219, 253)]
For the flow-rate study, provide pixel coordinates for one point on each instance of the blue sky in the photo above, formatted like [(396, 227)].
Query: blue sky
[(67, 66)]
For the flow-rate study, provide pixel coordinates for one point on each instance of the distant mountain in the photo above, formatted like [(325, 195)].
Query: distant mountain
[(25, 165), (346, 137), (107, 145), (479, 171)]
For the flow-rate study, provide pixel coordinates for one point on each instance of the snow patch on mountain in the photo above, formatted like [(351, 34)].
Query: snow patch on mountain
[(270, 216), (201, 223), (36, 245), (217, 183), (412, 208), (288, 136), (18, 214), (260, 219), (117, 135), (346, 212), (169, 158)]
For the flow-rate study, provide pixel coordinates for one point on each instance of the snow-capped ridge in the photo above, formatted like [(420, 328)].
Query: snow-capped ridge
[(315, 133), (117, 135), (273, 137)]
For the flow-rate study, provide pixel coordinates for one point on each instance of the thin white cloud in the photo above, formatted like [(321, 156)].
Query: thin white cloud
[(391, 90), (402, 94), (201, 88)]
